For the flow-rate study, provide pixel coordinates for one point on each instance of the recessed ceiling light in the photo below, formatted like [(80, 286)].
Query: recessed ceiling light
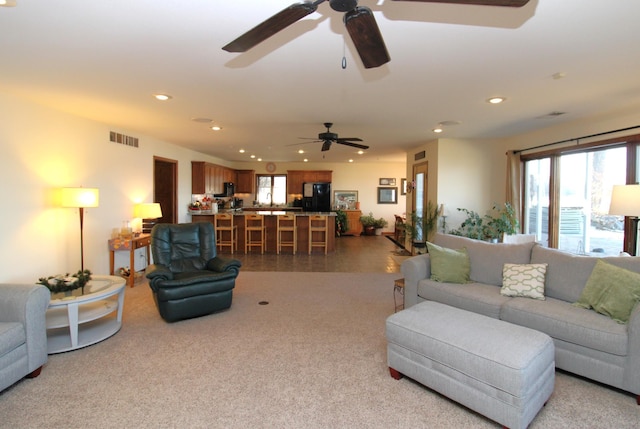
[(360, 152), (241, 151), (496, 100), (216, 128), (253, 156), (305, 160), (300, 151), (259, 159), (351, 160), (7, 3), (162, 97), (437, 130)]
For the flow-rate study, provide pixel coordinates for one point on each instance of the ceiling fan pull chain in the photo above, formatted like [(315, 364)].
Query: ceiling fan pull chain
[(344, 57)]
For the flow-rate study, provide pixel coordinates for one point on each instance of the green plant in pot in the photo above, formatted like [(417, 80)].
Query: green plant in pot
[(368, 224), (342, 223), (378, 224), (492, 226), (420, 227)]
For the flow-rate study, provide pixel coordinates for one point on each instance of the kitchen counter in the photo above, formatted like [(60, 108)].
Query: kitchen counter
[(270, 220)]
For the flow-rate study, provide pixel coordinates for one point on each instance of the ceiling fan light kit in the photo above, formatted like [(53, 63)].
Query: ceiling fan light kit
[(359, 20)]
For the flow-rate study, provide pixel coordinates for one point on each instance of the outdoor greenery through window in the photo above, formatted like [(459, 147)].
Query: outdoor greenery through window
[(577, 186), (272, 190)]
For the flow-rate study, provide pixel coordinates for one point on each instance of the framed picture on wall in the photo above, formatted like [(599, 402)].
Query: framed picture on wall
[(387, 195), (403, 186), (387, 181), (345, 200)]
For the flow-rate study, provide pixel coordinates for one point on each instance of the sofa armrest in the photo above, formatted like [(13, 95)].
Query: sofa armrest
[(28, 305), (157, 273), (414, 269), (632, 370)]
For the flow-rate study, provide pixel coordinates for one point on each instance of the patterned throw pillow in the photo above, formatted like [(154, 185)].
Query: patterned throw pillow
[(525, 280)]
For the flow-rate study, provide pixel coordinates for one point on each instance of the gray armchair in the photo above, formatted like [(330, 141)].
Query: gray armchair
[(187, 277), (23, 331)]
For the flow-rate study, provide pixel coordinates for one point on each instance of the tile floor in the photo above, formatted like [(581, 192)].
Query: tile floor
[(370, 254)]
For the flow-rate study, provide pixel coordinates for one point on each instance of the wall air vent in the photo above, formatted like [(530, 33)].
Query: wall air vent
[(123, 139)]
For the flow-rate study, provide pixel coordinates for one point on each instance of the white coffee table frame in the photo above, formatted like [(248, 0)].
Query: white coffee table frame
[(82, 320)]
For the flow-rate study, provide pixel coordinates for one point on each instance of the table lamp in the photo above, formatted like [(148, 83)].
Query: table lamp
[(148, 212), (625, 201), (80, 198)]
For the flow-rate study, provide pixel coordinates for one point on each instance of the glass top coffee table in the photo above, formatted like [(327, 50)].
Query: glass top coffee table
[(80, 320)]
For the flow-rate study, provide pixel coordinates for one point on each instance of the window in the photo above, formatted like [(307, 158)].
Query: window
[(272, 189), (567, 195)]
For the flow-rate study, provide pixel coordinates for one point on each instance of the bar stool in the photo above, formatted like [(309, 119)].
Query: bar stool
[(318, 228), (286, 225), (255, 234), (224, 224)]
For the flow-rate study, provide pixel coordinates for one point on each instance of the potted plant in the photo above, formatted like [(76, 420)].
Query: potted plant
[(368, 224), (378, 224), (492, 226), (342, 223), (421, 227)]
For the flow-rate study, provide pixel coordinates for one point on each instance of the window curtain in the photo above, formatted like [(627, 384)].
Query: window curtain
[(514, 184)]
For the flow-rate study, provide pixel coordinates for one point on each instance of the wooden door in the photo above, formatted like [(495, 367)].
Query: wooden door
[(165, 188)]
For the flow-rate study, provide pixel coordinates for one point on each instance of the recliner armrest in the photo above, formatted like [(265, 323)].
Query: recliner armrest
[(221, 264), (157, 273)]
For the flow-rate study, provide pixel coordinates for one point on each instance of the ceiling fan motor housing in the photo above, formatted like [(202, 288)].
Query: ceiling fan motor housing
[(327, 136), (343, 5)]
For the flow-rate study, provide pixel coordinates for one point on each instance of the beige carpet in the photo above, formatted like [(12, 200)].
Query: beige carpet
[(314, 357)]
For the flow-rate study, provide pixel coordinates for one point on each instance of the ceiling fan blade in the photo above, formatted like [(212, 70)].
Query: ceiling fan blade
[(364, 31), (510, 3), (296, 144), (326, 145), (353, 139), (271, 26), (359, 146)]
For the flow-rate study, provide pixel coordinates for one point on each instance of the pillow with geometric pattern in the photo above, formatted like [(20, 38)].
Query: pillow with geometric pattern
[(526, 280)]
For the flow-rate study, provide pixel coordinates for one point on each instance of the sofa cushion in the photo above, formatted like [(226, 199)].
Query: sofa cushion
[(526, 280), (563, 321), (448, 265), (487, 259), (566, 273), (476, 297), (12, 335), (612, 291)]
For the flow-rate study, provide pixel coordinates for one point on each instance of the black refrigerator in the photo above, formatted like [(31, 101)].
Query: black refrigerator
[(316, 197)]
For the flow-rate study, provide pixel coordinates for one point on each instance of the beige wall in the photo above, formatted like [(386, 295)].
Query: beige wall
[(44, 149)]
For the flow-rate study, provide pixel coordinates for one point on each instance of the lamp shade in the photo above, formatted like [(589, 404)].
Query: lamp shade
[(147, 211), (80, 197), (625, 200)]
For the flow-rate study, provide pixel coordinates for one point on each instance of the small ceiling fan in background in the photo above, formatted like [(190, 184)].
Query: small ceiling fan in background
[(359, 20), (327, 138)]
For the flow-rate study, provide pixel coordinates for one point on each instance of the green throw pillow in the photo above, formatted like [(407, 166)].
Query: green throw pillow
[(449, 265), (612, 291)]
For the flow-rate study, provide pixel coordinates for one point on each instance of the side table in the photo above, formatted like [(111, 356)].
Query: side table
[(128, 244), (76, 320), (398, 286)]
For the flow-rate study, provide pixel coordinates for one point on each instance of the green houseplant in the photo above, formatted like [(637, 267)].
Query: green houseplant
[(421, 227), (342, 223), (378, 224), (368, 224), (493, 226)]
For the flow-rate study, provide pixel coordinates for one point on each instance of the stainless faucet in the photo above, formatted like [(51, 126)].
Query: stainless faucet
[(270, 198)]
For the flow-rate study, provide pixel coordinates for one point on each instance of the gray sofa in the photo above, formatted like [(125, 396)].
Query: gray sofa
[(586, 343), (23, 331)]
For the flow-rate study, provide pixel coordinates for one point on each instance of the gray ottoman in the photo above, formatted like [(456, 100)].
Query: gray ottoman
[(502, 371)]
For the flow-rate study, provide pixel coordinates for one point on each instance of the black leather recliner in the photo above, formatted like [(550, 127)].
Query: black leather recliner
[(187, 278)]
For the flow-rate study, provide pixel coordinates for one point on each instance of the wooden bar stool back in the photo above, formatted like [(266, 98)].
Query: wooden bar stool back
[(226, 232), (255, 234), (286, 233), (318, 231)]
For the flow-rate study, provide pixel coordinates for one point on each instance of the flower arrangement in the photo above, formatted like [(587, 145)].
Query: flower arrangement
[(66, 283)]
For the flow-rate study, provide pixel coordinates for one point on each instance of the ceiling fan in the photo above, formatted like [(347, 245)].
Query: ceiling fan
[(359, 20), (327, 138)]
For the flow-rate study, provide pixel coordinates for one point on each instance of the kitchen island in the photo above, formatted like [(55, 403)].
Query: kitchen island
[(270, 221)]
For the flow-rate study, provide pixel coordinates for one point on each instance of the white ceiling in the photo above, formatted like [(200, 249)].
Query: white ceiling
[(103, 59)]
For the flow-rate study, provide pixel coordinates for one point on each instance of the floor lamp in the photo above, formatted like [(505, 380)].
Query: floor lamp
[(625, 201), (80, 198), (148, 212)]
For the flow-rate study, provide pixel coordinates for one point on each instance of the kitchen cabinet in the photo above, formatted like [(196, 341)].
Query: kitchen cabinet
[(295, 179), (245, 182), (353, 222), (209, 178)]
